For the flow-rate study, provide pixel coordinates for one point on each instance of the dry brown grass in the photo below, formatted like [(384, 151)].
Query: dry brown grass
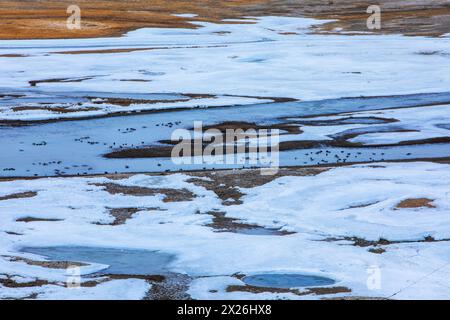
[(46, 19), (415, 203), (36, 19)]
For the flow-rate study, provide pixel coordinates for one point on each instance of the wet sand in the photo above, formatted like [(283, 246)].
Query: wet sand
[(47, 19)]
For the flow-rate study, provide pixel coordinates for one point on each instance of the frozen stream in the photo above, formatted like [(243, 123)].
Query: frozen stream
[(77, 147)]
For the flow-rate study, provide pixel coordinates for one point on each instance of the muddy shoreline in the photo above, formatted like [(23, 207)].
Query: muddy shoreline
[(256, 171)]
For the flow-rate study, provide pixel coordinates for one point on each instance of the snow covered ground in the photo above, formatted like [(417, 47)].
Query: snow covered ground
[(328, 216), (378, 230), (270, 57)]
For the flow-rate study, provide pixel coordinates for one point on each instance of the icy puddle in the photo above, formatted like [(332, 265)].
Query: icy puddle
[(120, 261), (286, 281)]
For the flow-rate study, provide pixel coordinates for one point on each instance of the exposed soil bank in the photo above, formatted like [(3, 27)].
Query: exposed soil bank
[(47, 19)]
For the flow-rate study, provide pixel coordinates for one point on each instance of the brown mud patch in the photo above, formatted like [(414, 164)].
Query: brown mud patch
[(221, 223), (135, 80), (13, 55), (126, 102), (11, 283), (34, 219), (170, 195), (13, 233), (307, 291), (54, 109), (121, 215), (147, 152), (21, 195), (124, 50), (236, 125), (46, 264), (34, 83), (378, 246), (102, 51), (226, 183), (377, 250)]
